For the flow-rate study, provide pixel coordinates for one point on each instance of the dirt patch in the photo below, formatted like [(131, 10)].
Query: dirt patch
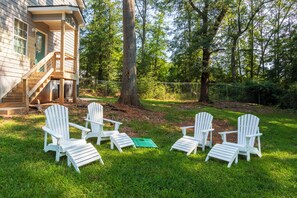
[(125, 113)]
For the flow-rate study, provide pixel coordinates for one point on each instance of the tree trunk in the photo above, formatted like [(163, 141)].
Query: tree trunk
[(129, 87), (252, 42), (143, 42), (233, 58), (205, 76)]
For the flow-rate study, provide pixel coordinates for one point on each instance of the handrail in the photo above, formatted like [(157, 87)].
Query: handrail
[(66, 55), (39, 65), (40, 82)]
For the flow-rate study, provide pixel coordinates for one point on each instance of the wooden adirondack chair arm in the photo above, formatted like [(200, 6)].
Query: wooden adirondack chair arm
[(184, 129), (79, 127), (254, 135), (94, 122), (48, 130), (112, 121)]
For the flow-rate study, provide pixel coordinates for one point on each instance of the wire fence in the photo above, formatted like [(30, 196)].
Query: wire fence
[(174, 90)]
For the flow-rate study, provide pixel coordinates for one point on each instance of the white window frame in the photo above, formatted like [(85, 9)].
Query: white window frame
[(13, 35)]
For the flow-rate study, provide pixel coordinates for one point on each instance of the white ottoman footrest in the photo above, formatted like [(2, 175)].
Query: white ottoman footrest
[(121, 140), (82, 155), (225, 153)]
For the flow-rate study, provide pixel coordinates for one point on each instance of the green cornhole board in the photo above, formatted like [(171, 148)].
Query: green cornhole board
[(144, 142)]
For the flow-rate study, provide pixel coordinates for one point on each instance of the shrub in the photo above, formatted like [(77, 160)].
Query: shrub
[(149, 88), (265, 92), (289, 99)]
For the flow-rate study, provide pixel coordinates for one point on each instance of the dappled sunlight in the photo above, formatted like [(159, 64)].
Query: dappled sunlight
[(147, 171), (284, 124), (281, 155)]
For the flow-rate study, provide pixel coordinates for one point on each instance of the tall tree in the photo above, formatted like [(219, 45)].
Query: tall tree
[(212, 13), (101, 41), (129, 87), (243, 19)]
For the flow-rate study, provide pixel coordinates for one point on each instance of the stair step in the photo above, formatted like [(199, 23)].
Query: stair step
[(12, 104), (12, 99), (6, 111), (15, 94)]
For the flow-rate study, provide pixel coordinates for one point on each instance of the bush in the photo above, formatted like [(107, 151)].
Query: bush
[(149, 88), (289, 99), (265, 93)]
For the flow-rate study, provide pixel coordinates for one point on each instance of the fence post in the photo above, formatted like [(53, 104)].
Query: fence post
[(165, 86)]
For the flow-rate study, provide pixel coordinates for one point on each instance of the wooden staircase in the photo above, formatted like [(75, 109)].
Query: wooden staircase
[(33, 82)]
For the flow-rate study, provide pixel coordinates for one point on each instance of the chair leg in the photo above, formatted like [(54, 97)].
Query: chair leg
[(248, 156), (195, 151), (259, 147), (111, 145), (68, 162), (203, 147), (98, 140), (57, 156)]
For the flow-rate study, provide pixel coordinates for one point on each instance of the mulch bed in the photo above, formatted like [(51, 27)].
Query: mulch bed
[(125, 113)]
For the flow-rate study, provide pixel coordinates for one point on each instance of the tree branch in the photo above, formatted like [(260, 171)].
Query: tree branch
[(217, 50), (218, 21), (195, 8), (253, 15), (140, 13)]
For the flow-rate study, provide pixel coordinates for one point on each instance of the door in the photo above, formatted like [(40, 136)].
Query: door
[(39, 47)]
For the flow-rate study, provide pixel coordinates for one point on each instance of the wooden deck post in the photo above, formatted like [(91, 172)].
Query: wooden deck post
[(61, 91), (74, 91), (75, 63), (62, 58), (25, 93)]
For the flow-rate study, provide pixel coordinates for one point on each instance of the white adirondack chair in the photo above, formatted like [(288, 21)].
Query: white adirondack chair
[(95, 117), (247, 131), (202, 128), (57, 125)]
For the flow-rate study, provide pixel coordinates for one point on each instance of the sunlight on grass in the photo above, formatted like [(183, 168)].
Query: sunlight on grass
[(27, 171)]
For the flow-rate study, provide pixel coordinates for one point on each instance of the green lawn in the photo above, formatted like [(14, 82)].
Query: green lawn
[(27, 171)]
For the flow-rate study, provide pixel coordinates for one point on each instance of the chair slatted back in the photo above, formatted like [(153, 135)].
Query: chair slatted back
[(248, 124), (203, 121), (95, 113), (57, 120)]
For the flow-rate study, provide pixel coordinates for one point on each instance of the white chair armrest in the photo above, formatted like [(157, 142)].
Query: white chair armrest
[(187, 127), (223, 134), (184, 129), (94, 122), (79, 127), (226, 132), (51, 132), (207, 130), (112, 121), (254, 135)]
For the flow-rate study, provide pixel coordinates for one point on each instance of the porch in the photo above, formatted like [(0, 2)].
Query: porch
[(57, 64)]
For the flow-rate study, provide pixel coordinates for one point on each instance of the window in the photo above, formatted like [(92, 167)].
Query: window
[(20, 37)]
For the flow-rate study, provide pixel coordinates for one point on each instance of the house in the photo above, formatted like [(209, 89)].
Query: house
[(39, 41)]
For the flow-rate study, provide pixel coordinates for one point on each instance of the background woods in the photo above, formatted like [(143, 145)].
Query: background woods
[(247, 43)]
